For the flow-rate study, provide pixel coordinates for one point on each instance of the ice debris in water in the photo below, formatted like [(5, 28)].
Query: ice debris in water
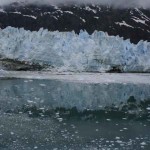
[(67, 51)]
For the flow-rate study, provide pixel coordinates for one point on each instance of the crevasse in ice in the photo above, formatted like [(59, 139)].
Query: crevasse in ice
[(67, 51)]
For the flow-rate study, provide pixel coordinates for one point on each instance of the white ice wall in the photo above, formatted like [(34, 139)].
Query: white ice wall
[(67, 51)]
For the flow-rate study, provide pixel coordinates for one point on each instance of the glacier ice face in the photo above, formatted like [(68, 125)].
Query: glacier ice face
[(67, 51)]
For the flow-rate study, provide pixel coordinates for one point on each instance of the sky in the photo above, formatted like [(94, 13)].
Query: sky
[(115, 3)]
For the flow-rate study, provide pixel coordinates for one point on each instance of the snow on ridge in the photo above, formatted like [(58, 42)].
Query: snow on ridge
[(139, 20), (16, 12), (30, 16), (123, 23), (143, 16), (2, 10), (67, 51)]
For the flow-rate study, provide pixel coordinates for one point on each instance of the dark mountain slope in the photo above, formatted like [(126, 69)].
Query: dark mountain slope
[(127, 23)]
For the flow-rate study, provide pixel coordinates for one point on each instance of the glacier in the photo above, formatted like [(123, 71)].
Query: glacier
[(68, 51)]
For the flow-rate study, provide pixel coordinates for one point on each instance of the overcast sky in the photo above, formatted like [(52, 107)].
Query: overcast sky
[(115, 3)]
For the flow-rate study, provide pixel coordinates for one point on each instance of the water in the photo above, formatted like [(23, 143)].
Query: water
[(84, 91), (27, 125), (75, 131)]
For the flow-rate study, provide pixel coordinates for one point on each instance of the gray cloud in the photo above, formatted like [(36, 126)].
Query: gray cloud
[(114, 3)]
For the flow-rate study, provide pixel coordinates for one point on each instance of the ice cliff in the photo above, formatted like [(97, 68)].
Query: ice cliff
[(67, 51)]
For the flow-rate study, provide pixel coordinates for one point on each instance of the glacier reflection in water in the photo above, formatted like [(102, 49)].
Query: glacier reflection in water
[(57, 93)]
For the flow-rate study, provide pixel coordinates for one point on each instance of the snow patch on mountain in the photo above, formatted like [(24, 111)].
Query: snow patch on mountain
[(67, 51), (123, 23)]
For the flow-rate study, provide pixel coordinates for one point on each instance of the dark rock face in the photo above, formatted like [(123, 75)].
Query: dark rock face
[(10, 64), (127, 23)]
